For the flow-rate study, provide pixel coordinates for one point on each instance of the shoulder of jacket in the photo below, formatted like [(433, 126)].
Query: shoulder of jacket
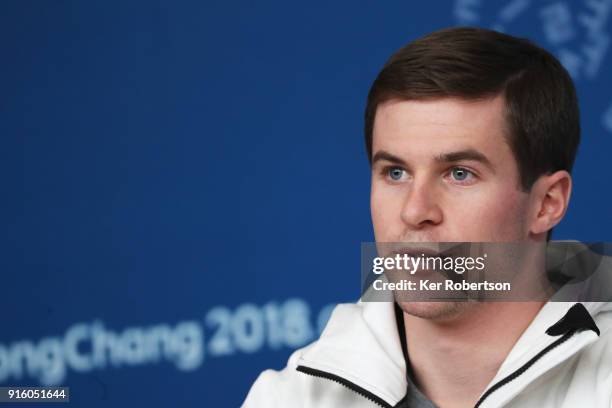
[(597, 357), (273, 388)]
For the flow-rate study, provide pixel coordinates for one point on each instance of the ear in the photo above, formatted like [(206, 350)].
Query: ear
[(551, 194)]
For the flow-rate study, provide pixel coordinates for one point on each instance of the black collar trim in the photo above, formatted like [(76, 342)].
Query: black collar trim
[(576, 319)]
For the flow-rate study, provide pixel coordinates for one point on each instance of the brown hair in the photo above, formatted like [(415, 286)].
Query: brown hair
[(473, 63)]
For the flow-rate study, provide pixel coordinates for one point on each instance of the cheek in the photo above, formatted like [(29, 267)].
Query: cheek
[(493, 217), (385, 207)]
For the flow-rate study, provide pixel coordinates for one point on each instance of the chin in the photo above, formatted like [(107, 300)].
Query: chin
[(434, 310)]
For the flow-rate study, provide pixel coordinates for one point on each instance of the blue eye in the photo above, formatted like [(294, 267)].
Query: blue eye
[(395, 173), (460, 174)]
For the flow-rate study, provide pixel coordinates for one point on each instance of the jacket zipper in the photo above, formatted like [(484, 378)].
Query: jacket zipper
[(524, 367), (348, 384)]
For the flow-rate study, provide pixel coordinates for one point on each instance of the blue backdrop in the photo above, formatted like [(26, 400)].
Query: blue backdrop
[(181, 177)]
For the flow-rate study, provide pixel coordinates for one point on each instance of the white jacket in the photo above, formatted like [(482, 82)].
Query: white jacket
[(358, 362)]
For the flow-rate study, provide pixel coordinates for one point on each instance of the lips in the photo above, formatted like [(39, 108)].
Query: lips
[(421, 252), (427, 255), (437, 249), (418, 252)]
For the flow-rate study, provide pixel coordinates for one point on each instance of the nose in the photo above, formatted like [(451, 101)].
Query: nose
[(421, 209)]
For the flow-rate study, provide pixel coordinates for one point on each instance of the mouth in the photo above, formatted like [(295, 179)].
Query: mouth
[(418, 252), (421, 251), (417, 259), (427, 260), (433, 249)]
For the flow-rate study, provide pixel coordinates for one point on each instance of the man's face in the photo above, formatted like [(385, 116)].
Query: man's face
[(442, 171)]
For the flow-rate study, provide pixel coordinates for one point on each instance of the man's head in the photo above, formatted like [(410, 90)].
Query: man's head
[(471, 135)]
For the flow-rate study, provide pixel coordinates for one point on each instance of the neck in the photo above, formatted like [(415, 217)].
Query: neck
[(453, 360)]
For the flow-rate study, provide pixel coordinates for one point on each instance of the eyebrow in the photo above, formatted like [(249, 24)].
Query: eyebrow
[(384, 155), (450, 157)]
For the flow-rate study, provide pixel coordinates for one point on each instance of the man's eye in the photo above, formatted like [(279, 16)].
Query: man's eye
[(461, 174), (395, 173)]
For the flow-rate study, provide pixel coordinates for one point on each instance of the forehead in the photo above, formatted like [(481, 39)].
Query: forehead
[(444, 123)]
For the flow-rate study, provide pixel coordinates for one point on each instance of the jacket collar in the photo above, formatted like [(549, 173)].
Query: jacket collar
[(361, 344)]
